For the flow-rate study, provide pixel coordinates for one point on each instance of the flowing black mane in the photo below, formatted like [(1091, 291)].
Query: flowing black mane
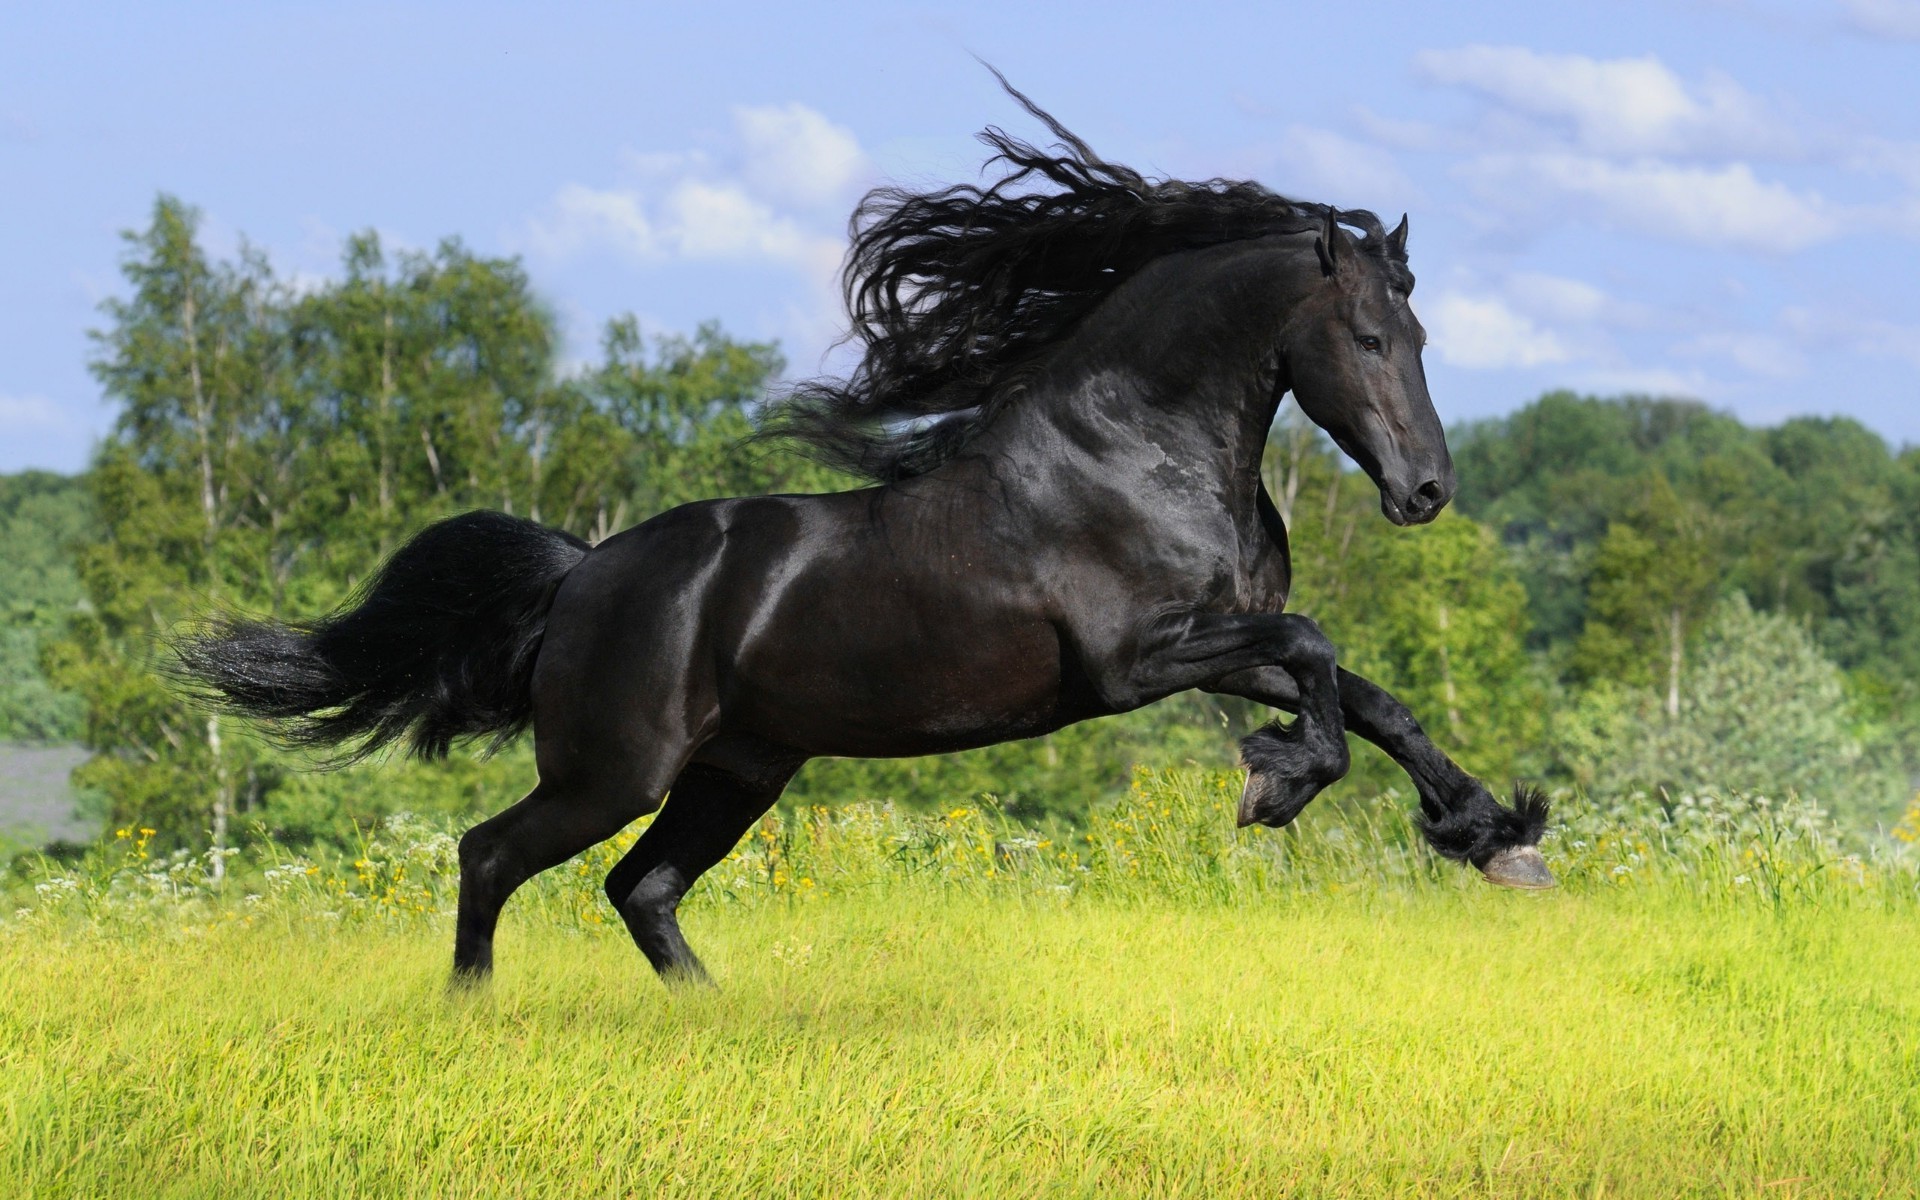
[(952, 292)]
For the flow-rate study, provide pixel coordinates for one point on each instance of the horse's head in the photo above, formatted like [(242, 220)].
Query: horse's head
[(1352, 350)]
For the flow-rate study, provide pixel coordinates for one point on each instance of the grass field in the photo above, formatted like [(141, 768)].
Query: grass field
[(939, 1007)]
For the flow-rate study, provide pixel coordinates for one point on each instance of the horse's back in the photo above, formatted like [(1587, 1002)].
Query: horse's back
[(847, 623)]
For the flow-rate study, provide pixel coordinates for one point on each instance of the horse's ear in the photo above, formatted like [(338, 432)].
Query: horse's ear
[(1325, 243), (1397, 241)]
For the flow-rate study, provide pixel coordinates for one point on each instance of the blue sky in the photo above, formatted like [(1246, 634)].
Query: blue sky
[(1718, 199)]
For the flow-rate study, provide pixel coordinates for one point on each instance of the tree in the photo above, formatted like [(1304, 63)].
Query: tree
[(272, 446), (1763, 711), (42, 517), (1654, 577), (269, 448), (195, 364)]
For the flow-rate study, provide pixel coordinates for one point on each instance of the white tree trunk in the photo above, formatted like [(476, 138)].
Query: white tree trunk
[(1674, 644), (1451, 696), (210, 528)]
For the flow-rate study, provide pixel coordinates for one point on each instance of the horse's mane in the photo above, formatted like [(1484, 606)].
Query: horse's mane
[(952, 292)]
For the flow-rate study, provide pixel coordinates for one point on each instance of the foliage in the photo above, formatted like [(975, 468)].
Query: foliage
[(1653, 579), (42, 517), (273, 444), (1169, 836), (1763, 710), (1815, 517)]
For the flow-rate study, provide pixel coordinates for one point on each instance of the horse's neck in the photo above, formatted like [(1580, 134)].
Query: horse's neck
[(1183, 376)]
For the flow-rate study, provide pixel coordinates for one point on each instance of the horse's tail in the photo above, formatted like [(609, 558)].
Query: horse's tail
[(440, 645)]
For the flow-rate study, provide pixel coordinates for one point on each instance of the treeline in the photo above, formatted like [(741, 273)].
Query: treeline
[(1578, 618), (1711, 595)]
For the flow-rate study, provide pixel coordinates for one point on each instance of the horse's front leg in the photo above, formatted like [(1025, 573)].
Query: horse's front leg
[(1459, 816), (1287, 765)]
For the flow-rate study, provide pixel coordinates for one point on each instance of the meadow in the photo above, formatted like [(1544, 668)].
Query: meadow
[(1719, 1001)]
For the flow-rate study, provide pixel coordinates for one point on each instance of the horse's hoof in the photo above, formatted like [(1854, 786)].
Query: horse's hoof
[(467, 981), (1273, 800), (1520, 867)]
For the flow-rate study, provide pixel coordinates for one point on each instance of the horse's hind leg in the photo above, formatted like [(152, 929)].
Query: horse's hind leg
[(707, 812), (554, 823)]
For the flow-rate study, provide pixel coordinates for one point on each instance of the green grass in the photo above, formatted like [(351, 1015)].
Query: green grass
[(911, 1024)]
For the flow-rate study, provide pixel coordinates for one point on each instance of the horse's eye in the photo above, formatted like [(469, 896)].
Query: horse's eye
[(1369, 343)]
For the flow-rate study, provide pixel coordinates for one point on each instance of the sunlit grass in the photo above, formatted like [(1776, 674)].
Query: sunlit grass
[(990, 1030)]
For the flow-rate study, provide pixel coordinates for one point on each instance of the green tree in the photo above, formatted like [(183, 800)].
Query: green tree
[(1654, 577), (195, 363), (43, 516), (269, 448), (1763, 711)]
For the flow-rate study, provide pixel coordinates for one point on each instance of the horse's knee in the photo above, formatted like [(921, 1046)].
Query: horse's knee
[(646, 894), (1308, 649), (480, 855)]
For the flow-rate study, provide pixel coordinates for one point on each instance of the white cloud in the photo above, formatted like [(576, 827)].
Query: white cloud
[(1755, 353), (33, 415), (689, 206), (1629, 143), (1898, 20), (1891, 340), (1559, 298), (794, 153), (1321, 165), (1651, 381), (695, 220), (719, 221), (581, 217), (1885, 156), (1859, 334), (1621, 106), (1484, 333), (1412, 134), (1717, 206), (36, 431)]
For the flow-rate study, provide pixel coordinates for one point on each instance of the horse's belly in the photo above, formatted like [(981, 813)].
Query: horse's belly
[(865, 694)]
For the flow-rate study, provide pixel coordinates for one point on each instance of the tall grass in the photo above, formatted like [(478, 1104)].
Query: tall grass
[(1719, 1001)]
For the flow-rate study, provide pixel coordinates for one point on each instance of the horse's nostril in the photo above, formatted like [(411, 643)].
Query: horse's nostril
[(1431, 492)]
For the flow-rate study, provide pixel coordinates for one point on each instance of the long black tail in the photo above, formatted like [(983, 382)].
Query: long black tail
[(440, 645)]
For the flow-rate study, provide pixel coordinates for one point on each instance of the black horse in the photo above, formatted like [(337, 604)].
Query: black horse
[(1068, 380)]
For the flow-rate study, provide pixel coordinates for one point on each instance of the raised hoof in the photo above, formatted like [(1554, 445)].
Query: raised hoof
[(1520, 867), (1273, 800)]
